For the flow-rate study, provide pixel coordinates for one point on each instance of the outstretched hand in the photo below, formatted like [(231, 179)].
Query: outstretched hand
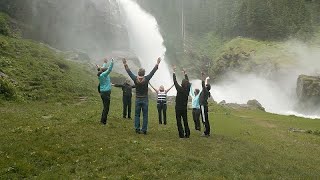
[(159, 60), (184, 71), (174, 68), (124, 61)]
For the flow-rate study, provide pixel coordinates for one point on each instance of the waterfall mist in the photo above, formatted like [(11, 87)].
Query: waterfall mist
[(146, 41), (277, 93)]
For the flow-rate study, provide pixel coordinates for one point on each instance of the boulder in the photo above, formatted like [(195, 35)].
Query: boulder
[(255, 105), (308, 93), (308, 88), (251, 104)]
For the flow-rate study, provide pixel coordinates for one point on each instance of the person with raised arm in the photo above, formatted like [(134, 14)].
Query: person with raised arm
[(162, 102), (105, 90), (203, 100), (195, 94), (182, 103), (141, 82), (126, 97), (104, 67)]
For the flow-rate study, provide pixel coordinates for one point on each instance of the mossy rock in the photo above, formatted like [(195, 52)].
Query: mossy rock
[(308, 87)]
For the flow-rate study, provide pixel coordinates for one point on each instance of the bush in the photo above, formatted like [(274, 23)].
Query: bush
[(7, 89), (4, 25)]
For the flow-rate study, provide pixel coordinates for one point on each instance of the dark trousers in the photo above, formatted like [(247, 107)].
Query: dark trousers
[(162, 109), (196, 118), (205, 119), (182, 115), (126, 106), (141, 105), (105, 96)]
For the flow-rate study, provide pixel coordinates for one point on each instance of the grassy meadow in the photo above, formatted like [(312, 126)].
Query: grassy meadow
[(50, 130)]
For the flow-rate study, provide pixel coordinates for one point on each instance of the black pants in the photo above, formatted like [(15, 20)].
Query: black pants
[(126, 106), (196, 118), (205, 119), (105, 96), (162, 109), (182, 114)]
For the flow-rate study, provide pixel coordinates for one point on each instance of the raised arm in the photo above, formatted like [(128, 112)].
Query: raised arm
[(178, 87), (185, 74), (153, 88), (150, 75), (203, 80), (169, 88), (108, 71), (191, 92), (132, 76)]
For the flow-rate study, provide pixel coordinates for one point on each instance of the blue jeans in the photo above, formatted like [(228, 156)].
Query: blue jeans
[(141, 104)]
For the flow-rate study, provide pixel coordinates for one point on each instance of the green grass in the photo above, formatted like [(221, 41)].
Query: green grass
[(52, 131), (53, 140), (40, 73)]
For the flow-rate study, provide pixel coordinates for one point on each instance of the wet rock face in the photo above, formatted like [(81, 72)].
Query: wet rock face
[(308, 89)]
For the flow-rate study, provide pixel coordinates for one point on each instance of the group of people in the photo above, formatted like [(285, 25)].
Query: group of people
[(141, 82)]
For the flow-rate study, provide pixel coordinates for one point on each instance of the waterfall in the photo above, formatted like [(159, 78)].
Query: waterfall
[(146, 41)]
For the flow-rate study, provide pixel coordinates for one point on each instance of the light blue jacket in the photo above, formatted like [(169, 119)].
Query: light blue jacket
[(195, 99), (105, 65), (104, 79)]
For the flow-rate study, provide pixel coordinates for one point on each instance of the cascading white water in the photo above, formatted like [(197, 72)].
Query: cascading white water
[(277, 94), (146, 41)]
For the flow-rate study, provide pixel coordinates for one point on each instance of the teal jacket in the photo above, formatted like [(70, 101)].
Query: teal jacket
[(104, 79), (195, 99)]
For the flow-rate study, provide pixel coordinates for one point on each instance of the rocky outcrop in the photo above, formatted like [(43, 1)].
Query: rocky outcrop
[(251, 104), (308, 92), (308, 88)]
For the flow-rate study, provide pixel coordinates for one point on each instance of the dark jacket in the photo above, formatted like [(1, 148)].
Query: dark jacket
[(141, 83), (126, 89), (204, 95), (182, 94)]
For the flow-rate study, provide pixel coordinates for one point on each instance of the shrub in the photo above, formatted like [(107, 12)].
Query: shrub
[(4, 25), (7, 89)]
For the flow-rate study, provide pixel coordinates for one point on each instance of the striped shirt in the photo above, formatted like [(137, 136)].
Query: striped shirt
[(162, 97)]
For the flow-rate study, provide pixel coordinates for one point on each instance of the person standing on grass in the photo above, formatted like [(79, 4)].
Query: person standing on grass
[(181, 104), (195, 107), (141, 82), (105, 90), (126, 97), (162, 102), (204, 96), (104, 67)]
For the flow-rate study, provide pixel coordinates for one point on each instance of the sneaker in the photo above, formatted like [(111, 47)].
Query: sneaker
[(144, 132)]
